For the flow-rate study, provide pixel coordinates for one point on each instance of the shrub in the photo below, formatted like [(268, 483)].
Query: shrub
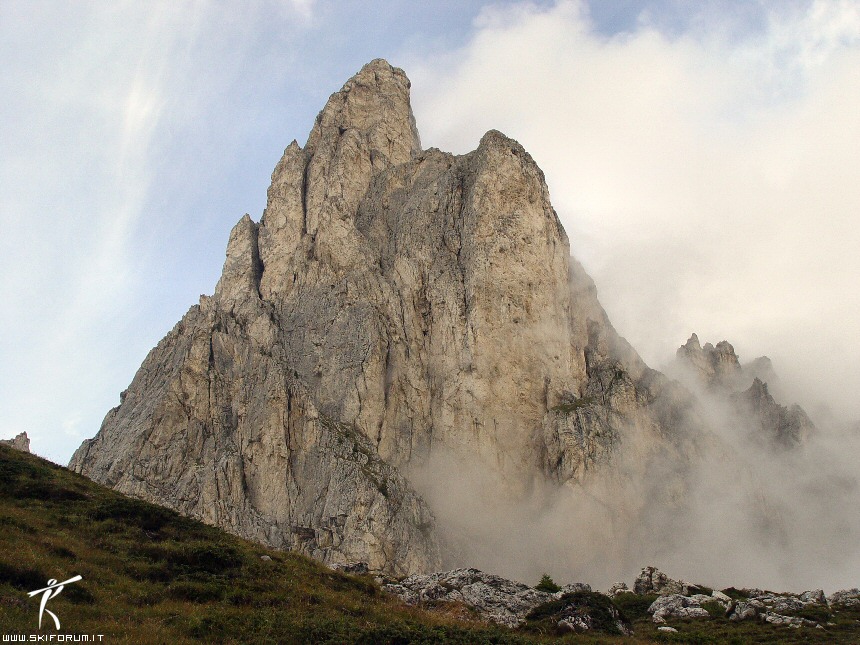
[(817, 613), (736, 594), (206, 558), (23, 579), (547, 584), (633, 605), (714, 608), (148, 517), (599, 608)]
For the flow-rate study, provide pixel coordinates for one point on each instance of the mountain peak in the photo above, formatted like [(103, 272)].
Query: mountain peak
[(374, 107)]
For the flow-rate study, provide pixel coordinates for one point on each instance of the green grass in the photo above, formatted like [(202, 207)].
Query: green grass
[(152, 576)]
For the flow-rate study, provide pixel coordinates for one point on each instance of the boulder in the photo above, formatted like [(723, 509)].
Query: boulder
[(676, 606), (618, 588), (653, 581), (814, 597), (747, 610)]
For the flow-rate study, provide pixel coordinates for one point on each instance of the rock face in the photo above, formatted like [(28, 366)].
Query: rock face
[(20, 442), (391, 304)]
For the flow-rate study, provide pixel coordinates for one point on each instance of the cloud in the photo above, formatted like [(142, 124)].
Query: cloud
[(304, 8), (706, 176), (103, 100)]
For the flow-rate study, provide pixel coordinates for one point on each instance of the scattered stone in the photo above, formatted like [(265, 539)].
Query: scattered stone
[(845, 598), (265, 558), (666, 628), (676, 606), (720, 596), (575, 623), (747, 610), (618, 588), (790, 621), (494, 598), (653, 581), (354, 568)]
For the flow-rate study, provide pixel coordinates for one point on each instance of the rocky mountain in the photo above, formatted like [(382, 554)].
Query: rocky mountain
[(393, 308)]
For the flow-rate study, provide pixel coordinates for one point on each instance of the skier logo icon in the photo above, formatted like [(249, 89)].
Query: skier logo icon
[(51, 591)]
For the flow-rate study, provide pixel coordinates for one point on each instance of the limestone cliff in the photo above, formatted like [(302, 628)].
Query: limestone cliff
[(391, 304)]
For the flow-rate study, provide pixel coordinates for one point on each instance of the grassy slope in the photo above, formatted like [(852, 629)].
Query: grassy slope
[(152, 576)]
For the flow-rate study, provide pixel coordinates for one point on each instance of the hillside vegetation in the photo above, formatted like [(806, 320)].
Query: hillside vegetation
[(153, 576)]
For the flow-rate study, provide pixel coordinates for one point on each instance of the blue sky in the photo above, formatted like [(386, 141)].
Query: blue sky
[(703, 157)]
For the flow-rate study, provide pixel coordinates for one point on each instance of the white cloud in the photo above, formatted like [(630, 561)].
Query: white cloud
[(304, 8), (707, 182), (96, 96)]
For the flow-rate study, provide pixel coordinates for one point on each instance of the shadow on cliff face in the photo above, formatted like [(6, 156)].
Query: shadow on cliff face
[(740, 512)]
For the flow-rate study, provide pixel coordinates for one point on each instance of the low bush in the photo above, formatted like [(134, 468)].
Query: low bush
[(25, 579), (603, 614), (133, 512), (633, 605), (547, 584)]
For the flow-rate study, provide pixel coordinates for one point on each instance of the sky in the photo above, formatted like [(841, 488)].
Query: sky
[(704, 159)]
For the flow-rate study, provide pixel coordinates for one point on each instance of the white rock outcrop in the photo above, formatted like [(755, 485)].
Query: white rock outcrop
[(495, 598)]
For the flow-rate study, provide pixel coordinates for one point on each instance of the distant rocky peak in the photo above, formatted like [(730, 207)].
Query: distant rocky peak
[(715, 366), (746, 387), (784, 426), (761, 368), (20, 442)]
